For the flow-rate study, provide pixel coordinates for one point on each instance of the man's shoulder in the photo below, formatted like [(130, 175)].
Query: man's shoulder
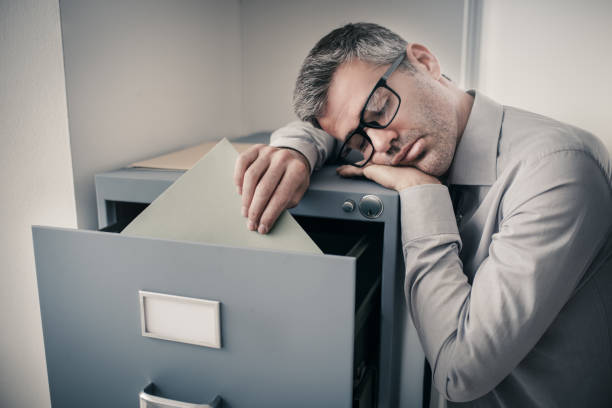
[(543, 160), (527, 136)]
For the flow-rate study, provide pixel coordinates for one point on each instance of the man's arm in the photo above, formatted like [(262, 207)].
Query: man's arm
[(275, 177), (555, 217), (315, 144)]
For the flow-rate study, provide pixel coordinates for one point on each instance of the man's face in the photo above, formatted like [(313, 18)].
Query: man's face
[(424, 132)]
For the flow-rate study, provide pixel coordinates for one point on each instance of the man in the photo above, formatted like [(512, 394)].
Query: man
[(506, 217)]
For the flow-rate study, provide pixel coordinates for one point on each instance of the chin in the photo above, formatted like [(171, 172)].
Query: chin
[(432, 164)]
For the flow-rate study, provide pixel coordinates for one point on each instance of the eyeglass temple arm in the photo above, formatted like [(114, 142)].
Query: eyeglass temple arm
[(394, 66)]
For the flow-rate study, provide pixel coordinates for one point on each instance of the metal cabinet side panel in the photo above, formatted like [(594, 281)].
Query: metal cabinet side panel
[(287, 322)]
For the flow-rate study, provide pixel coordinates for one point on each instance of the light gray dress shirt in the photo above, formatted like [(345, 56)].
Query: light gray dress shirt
[(510, 288)]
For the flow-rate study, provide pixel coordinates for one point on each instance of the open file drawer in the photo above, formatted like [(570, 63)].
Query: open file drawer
[(288, 322)]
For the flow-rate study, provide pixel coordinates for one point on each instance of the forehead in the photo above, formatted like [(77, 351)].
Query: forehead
[(350, 87)]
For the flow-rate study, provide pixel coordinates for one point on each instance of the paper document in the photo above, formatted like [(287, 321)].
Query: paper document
[(184, 159), (204, 206)]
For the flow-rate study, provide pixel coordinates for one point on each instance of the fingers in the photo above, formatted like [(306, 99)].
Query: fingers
[(265, 189), (270, 179), (243, 162), (349, 171), (384, 175), (288, 194), (372, 172), (252, 177)]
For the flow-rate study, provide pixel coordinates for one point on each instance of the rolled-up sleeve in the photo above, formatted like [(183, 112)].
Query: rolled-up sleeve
[(554, 216), (315, 144)]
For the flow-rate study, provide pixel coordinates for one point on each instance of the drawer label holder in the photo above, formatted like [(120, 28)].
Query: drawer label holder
[(180, 319)]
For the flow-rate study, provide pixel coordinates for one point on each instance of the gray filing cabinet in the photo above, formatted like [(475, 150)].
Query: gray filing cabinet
[(296, 329)]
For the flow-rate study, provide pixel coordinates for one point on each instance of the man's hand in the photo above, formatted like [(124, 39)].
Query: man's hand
[(270, 180), (395, 178)]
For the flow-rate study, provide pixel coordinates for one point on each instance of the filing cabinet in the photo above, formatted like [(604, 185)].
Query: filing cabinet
[(297, 329)]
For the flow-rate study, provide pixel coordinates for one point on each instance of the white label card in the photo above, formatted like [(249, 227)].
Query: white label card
[(181, 319)]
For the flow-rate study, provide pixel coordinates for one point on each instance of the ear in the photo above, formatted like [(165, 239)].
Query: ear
[(423, 60)]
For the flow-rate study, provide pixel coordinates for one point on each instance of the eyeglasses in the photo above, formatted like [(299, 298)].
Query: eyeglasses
[(377, 113)]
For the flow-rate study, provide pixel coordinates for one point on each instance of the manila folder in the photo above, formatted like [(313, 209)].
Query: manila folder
[(204, 206)]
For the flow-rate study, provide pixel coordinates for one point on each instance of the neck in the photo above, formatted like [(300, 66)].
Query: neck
[(463, 107)]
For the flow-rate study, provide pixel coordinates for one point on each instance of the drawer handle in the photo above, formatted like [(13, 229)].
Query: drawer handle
[(147, 398)]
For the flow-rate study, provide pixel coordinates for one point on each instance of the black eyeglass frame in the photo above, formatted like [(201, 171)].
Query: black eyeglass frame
[(382, 82)]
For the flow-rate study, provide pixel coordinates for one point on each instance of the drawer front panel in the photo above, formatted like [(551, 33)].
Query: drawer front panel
[(287, 322)]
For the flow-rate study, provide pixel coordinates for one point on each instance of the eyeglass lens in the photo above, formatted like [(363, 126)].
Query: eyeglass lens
[(381, 107), (379, 111), (356, 149)]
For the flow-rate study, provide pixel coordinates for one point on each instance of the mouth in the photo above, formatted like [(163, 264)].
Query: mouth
[(409, 152)]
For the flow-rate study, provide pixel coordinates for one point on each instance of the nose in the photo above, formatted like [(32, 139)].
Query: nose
[(382, 139)]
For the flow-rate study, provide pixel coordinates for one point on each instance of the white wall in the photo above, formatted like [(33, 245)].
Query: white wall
[(277, 35), (553, 57), (145, 77), (36, 185)]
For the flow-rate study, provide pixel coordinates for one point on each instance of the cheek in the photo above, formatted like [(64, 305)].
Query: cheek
[(381, 158), (437, 159)]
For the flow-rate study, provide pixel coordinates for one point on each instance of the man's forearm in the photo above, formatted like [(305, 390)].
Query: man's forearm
[(313, 143)]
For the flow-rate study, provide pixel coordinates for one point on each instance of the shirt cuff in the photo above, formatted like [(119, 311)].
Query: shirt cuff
[(426, 210), (307, 149)]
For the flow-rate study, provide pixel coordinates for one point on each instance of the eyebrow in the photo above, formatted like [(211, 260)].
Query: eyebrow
[(350, 132), (316, 124)]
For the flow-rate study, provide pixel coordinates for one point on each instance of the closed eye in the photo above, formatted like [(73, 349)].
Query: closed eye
[(374, 115)]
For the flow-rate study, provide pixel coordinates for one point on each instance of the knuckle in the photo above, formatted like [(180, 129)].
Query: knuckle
[(246, 195), (290, 199), (298, 165), (266, 150), (248, 153), (250, 173), (241, 161), (264, 191), (284, 154), (253, 212), (247, 189)]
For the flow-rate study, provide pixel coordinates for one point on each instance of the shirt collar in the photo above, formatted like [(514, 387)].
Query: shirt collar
[(475, 161)]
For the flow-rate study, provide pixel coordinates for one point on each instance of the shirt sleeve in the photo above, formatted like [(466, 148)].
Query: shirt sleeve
[(315, 144), (553, 218)]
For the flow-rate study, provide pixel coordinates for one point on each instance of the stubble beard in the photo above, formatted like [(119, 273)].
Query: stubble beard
[(440, 144), (440, 128)]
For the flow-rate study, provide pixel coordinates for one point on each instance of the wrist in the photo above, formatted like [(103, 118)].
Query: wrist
[(423, 179), (299, 155)]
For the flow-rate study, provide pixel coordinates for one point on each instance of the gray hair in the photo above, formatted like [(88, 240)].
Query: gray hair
[(364, 41)]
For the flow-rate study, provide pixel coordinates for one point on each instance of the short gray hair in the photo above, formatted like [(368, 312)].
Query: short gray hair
[(364, 41)]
